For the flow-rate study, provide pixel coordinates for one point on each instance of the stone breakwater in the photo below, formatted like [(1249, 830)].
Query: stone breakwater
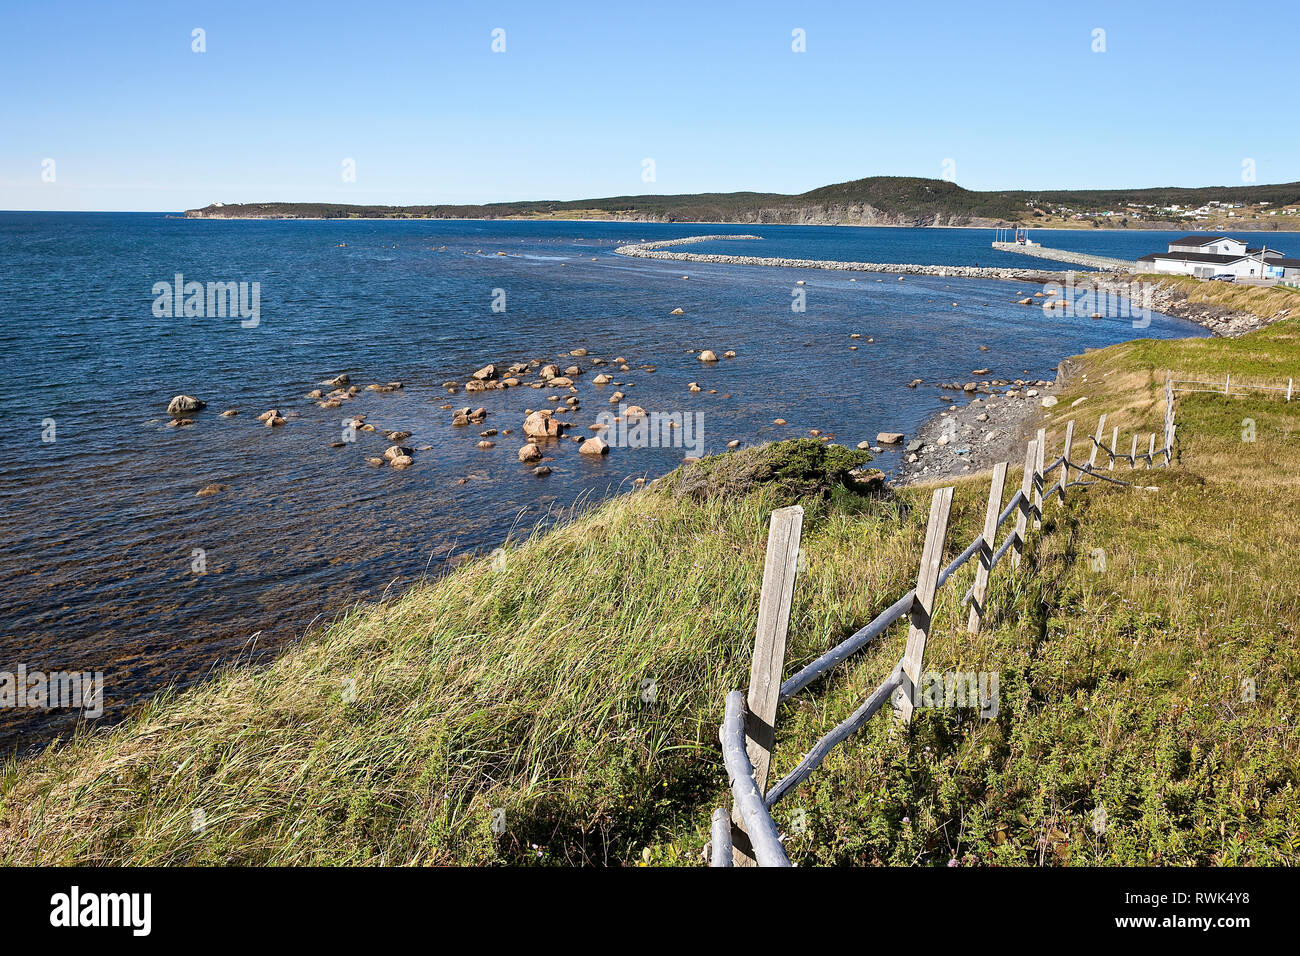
[(655, 250), (1152, 295), (1062, 255)]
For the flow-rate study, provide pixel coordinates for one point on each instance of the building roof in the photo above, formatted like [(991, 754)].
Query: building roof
[(1287, 263), (1193, 257), (1201, 240)]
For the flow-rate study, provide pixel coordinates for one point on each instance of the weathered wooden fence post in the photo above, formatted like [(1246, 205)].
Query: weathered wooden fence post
[(986, 551), (1133, 455), (1151, 452), (1065, 455), (927, 579), (1026, 503), (1038, 478), (774, 604), (1114, 446), (1096, 443)]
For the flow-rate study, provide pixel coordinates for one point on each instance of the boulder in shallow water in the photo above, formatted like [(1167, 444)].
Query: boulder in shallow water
[(541, 424), (530, 452), (594, 446), (181, 404), (708, 355)]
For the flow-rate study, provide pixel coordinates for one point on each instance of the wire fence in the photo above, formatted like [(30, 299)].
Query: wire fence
[(1231, 388), (748, 836)]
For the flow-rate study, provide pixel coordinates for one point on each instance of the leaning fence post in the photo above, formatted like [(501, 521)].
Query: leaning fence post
[(1096, 443), (1114, 444), (927, 579), (986, 552), (1065, 458), (1151, 452), (1289, 383), (769, 656), (1038, 478), (1133, 456), (1026, 489)]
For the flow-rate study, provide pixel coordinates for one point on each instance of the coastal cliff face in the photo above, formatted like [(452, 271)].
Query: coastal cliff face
[(852, 214)]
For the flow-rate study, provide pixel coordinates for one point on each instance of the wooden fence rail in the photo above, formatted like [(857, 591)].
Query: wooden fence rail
[(748, 836)]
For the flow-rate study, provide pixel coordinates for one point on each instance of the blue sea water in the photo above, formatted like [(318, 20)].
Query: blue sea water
[(112, 563), (955, 246)]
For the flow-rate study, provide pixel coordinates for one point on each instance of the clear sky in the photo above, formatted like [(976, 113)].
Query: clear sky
[(1013, 94)]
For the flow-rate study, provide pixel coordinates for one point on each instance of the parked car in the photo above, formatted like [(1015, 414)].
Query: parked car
[(1223, 277)]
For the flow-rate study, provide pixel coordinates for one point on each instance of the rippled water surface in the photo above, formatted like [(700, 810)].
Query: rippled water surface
[(101, 526)]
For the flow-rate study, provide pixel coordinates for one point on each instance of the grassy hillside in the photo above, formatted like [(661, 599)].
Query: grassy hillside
[(524, 686), (897, 199)]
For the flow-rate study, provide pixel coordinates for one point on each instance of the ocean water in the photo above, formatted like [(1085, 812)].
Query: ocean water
[(111, 563), (951, 247)]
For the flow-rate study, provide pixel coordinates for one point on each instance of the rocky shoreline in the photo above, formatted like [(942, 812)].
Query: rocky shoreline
[(986, 419), (991, 427)]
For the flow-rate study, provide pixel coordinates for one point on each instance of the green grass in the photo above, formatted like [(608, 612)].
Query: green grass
[(521, 689)]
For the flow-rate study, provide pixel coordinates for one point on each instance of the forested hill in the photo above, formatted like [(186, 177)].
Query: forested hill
[(878, 200)]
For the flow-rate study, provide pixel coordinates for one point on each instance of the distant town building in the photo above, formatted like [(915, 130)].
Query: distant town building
[(1206, 256)]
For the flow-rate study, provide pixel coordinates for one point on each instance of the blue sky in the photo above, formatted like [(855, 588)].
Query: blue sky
[(1012, 93)]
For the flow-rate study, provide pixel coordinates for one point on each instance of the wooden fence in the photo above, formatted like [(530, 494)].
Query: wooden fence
[(747, 836)]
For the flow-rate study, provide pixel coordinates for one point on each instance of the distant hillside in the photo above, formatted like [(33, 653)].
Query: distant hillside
[(878, 200)]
